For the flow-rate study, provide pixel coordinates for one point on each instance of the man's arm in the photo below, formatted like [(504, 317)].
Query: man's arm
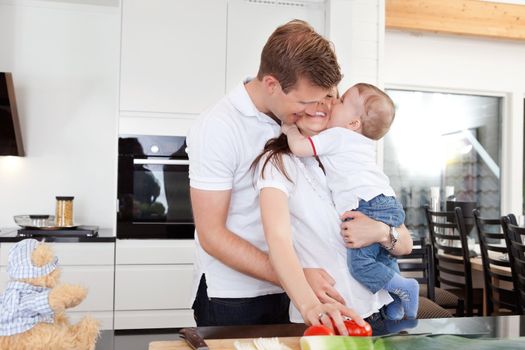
[(300, 145), (363, 231), (210, 210)]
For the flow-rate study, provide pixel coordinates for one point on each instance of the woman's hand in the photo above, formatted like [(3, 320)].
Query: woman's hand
[(323, 285), (330, 315), (361, 231)]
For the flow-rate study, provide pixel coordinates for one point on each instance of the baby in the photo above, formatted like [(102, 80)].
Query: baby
[(347, 150)]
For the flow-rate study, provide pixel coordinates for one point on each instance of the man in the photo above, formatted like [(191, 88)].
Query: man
[(298, 70)]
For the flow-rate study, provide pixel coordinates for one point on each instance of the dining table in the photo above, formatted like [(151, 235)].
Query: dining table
[(484, 328), (478, 277), (477, 263)]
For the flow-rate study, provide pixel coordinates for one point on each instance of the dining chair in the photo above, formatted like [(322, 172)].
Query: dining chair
[(430, 309), (500, 298), (419, 265), (515, 237), (450, 250)]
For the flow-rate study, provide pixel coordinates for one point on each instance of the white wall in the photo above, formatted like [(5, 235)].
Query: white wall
[(64, 60), (471, 65), (356, 27)]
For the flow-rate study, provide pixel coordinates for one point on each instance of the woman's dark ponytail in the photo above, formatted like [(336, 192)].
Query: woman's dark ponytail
[(274, 149)]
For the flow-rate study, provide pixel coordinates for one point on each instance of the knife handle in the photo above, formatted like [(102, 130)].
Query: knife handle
[(193, 338)]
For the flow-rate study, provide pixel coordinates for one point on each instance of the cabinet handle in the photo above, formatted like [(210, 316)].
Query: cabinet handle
[(162, 161)]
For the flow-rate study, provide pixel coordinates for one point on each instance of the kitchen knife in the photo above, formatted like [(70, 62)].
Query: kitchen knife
[(193, 339)]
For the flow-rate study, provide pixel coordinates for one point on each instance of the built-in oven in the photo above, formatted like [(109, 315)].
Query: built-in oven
[(153, 188)]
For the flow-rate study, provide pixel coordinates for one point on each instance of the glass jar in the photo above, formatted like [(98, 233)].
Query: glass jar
[(64, 211)]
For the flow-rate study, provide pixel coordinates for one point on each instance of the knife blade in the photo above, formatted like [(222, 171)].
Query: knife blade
[(193, 339)]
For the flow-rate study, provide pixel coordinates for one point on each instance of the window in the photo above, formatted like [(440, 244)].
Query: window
[(443, 139)]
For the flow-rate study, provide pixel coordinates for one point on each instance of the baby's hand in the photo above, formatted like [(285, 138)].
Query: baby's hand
[(285, 128)]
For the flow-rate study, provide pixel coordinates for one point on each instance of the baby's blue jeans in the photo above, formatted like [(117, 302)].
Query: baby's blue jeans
[(374, 266)]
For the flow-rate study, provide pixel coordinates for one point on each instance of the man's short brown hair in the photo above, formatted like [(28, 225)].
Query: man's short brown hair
[(379, 112), (295, 50)]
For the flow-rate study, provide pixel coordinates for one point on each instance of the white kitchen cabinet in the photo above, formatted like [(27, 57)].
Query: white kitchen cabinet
[(173, 57), (153, 287), (250, 23), (155, 251), (154, 319), (88, 264), (153, 283)]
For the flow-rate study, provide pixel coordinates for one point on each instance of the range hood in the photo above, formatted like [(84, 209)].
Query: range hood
[(10, 135)]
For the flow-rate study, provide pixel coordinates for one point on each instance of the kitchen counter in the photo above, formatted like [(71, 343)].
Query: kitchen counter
[(104, 235), (472, 327)]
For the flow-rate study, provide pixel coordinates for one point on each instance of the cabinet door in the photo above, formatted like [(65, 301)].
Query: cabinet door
[(250, 23), (155, 251), (150, 287), (104, 317), (77, 254), (99, 283), (173, 55), (4, 278), (97, 279), (143, 319)]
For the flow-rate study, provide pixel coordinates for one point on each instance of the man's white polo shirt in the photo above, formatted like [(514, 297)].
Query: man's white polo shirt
[(222, 145)]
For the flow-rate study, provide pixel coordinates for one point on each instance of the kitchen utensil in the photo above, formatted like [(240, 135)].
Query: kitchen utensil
[(40, 222), (35, 220), (193, 339)]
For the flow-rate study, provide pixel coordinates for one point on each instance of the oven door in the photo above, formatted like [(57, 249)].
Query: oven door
[(154, 198)]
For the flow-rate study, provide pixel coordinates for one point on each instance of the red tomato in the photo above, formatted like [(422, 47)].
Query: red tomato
[(356, 330), (318, 330)]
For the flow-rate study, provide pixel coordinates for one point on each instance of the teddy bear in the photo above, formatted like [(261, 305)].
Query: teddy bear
[(32, 307)]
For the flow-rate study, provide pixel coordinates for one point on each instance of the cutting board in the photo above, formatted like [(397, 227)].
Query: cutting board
[(216, 344)]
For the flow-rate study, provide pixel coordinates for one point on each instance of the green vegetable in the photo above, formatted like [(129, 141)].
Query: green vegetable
[(414, 342)]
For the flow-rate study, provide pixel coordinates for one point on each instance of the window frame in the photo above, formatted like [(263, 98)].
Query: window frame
[(512, 134)]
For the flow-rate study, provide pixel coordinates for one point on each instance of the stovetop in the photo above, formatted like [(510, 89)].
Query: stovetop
[(80, 234), (80, 231)]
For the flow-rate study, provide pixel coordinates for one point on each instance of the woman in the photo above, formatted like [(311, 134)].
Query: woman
[(303, 230)]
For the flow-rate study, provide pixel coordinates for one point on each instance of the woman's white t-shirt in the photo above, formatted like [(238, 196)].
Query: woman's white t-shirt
[(316, 231)]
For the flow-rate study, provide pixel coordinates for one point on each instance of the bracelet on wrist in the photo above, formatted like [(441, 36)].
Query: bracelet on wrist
[(394, 236)]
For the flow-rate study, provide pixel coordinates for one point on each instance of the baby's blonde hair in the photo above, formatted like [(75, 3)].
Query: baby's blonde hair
[(379, 112)]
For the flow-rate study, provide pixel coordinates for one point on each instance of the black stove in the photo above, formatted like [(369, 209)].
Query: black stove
[(80, 231)]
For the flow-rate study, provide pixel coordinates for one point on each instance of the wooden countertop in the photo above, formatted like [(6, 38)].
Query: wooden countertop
[(217, 344)]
